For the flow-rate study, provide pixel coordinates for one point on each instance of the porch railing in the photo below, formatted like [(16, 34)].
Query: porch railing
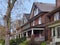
[(42, 38)]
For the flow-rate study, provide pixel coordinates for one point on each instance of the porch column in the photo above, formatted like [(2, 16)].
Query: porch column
[(52, 32), (55, 31), (26, 34), (32, 32)]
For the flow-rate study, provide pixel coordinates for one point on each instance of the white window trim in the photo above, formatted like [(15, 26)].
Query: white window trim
[(35, 11), (40, 20), (56, 16), (33, 23)]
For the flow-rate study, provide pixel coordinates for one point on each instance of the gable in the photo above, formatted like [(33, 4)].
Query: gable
[(34, 10), (24, 19)]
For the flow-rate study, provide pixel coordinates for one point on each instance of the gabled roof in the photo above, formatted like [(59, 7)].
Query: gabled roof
[(27, 16), (46, 7)]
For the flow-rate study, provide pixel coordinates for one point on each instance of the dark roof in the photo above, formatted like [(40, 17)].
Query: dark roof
[(44, 6), (27, 16), (54, 11), (35, 17)]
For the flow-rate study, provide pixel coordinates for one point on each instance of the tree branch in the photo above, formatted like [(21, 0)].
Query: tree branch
[(12, 4)]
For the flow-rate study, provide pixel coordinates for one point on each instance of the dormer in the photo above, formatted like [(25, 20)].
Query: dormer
[(26, 18), (41, 7), (36, 11)]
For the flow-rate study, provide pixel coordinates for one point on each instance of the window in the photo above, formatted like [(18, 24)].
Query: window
[(33, 23), (35, 11), (39, 20), (56, 16), (58, 32)]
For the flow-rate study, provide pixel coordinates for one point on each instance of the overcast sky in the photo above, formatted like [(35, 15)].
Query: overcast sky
[(20, 9)]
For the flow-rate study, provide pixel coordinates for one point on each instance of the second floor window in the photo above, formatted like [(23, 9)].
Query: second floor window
[(33, 23), (40, 20), (56, 16)]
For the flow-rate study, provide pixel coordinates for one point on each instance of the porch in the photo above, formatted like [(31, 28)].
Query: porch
[(55, 32), (38, 34)]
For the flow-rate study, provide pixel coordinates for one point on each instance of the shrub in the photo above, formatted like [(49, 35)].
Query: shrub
[(43, 43), (24, 43), (12, 42), (2, 41), (17, 41)]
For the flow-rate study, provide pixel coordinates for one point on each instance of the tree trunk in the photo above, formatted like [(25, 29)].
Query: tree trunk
[(8, 18), (7, 37)]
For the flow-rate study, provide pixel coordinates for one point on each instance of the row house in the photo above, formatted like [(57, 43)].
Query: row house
[(54, 24), (35, 26), (43, 23)]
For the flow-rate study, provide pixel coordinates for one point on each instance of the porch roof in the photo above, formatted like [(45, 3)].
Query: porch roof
[(54, 23), (36, 27)]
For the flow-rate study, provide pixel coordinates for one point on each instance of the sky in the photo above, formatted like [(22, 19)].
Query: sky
[(27, 5), (19, 9)]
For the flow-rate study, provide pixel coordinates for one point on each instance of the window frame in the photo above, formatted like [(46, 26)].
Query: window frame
[(56, 16), (40, 20), (36, 11)]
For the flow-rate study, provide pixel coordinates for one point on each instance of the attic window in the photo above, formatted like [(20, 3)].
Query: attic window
[(35, 11)]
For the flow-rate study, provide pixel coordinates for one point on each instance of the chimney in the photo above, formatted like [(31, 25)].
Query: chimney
[(57, 3)]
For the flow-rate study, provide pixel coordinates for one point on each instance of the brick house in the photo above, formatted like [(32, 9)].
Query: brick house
[(54, 24), (37, 21)]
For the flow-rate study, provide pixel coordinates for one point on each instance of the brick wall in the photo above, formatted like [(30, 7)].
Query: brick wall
[(57, 3)]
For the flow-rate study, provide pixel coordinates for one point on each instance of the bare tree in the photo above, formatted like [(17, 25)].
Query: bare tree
[(7, 18)]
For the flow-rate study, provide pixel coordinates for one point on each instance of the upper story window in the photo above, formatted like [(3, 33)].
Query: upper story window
[(40, 20), (35, 11), (33, 23), (56, 16)]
